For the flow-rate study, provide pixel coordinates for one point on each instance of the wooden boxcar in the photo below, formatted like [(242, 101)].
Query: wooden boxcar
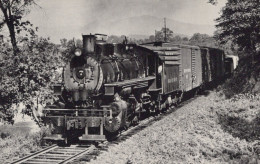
[(177, 67), (213, 69), (231, 63)]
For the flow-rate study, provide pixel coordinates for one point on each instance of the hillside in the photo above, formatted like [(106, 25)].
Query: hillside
[(210, 129), (145, 25)]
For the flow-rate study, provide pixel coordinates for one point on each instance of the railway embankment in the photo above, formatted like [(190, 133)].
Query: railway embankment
[(210, 129)]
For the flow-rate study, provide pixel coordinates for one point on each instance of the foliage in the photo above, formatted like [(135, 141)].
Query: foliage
[(18, 141), (12, 14), (26, 67), (196, 39), (229, 47), (115, 39), (160, 35), (240, 116), (28, 76), (8, 87), (38, 64), (239, 28), (244, 80), (239, 22), (203, 40), (67, 47)]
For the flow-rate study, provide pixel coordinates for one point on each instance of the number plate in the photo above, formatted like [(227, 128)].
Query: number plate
[(93, 122)]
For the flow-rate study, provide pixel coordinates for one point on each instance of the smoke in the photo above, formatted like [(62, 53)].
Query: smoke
[(120, 9), (66, 19)]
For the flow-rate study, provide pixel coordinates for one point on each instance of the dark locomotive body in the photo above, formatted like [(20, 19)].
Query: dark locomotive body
[(103, 87), (107, 87)]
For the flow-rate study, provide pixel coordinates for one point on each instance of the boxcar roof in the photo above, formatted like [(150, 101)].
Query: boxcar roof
[(211, 48), (165, 48), (162, 45)]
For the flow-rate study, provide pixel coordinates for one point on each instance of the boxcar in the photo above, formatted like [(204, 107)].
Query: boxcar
[(213, 69), (231, 63), (177, 67)]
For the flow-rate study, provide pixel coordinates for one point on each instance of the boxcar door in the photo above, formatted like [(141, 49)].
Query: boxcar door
[(186, 69), (170, 77), (196, 68)]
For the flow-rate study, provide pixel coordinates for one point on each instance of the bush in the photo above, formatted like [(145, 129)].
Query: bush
[(4, 135), (246, 78), (16, 142), (240, 116), (28, 75)]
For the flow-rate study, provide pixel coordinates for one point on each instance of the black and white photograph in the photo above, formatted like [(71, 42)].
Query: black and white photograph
[(129, 81)]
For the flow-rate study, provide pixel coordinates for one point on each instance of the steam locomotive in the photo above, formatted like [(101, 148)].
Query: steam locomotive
[(108, 87)]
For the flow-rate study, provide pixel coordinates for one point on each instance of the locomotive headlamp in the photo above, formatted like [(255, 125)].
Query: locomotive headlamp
[(80, 73), (77, 52)]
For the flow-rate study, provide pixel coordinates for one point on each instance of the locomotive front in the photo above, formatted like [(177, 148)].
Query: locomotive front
[(83, 75), (82, 110)]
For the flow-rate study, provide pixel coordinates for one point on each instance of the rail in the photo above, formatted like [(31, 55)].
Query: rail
[(56, 154)]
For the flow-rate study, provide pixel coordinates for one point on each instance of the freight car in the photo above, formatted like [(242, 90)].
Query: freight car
[(213, 68), (107, 87), (231, 63)]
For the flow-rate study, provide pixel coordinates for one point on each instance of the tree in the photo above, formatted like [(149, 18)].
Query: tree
[(115, 39), (151, 38), (12, 12), (185, 39), (176, 39), (239, 23), (160, 35), (29, 75), (203, 40), (68, 47)]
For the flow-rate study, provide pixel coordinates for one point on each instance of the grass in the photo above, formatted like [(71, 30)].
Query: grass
[(17, 141), (240, 116), (210, 129), (196, 133)]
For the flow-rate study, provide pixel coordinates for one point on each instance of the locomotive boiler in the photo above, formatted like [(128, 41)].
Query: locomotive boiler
[(103, 88)]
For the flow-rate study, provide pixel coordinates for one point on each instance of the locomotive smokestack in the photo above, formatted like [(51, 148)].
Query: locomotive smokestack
[(88, 44)]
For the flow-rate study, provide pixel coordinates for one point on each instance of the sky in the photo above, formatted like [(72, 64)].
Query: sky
[(67, 18)]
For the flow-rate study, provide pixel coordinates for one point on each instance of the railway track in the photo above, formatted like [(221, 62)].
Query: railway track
[(77, 153), (130, 132), (56, 154)]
